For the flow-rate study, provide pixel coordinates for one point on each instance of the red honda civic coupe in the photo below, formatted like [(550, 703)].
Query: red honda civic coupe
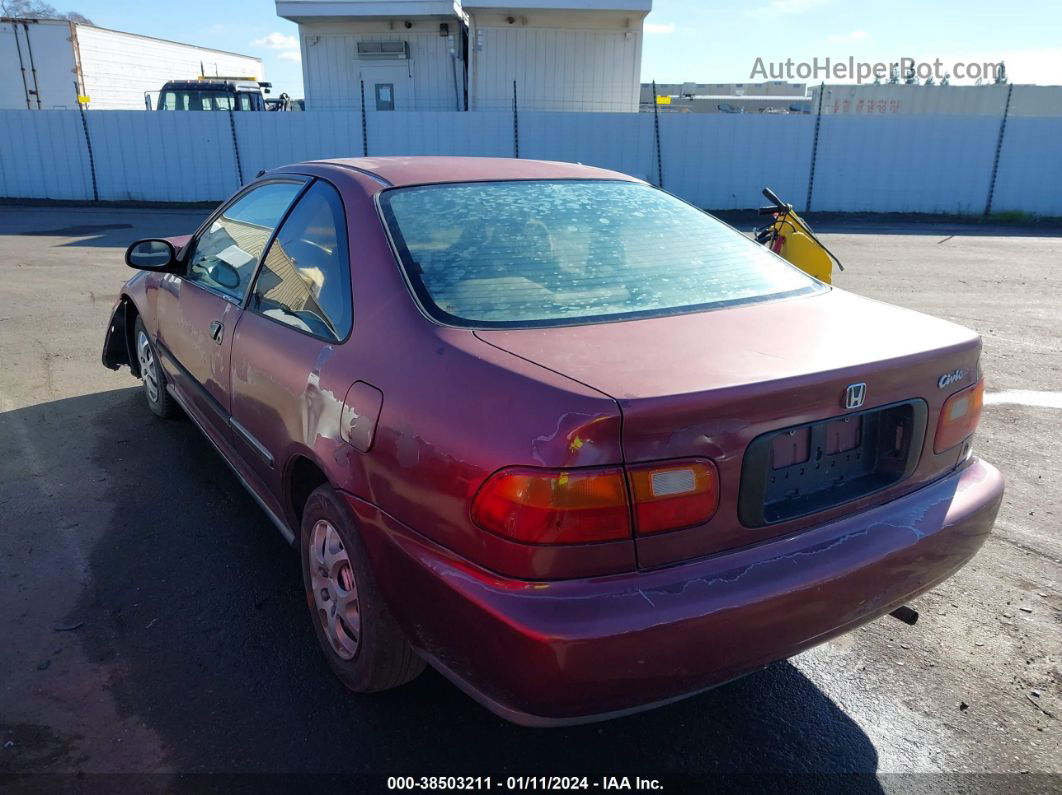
[(575, 443)]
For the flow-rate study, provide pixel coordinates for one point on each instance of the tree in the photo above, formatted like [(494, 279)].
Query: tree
[(1001, 74), (894, 75), (946, 80), (929, 81), (37, 9)]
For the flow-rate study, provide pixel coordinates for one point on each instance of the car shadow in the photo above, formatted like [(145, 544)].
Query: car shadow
[(197, 601), (94, 227)]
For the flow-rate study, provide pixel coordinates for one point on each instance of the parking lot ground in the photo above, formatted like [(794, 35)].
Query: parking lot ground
[(152, 620)]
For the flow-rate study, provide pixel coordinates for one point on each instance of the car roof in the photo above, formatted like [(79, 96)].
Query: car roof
[(399, 171)]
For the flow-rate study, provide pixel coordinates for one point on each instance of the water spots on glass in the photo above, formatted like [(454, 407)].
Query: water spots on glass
[(539, 251)]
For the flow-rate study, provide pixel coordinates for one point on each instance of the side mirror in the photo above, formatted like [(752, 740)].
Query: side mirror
[(224, 274), (151, 255)]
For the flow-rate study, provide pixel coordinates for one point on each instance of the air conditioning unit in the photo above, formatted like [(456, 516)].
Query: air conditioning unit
[(383, 51)]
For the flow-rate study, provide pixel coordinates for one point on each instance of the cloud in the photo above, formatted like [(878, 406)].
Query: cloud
[(1042, 66), (848, 38), (217, 27), (788, 7), (1037, 65), (659, 27), (277, 41), (291, 55)]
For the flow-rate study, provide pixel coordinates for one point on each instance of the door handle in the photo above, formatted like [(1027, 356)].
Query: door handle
[(217, 331)]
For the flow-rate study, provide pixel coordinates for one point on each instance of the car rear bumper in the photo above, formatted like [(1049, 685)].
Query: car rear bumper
[(564, 652)]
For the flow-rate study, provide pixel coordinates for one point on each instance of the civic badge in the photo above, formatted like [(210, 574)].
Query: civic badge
[(948, 379), (854, 395)]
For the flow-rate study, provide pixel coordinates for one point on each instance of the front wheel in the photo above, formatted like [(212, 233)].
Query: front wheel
[(158, 399), (359, 637)]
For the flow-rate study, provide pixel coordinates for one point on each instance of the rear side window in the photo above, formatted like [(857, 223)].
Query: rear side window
[(305, 277), (534, 253), (227, 252)]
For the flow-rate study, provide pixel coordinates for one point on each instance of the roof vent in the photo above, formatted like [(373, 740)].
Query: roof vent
[(383, 51)]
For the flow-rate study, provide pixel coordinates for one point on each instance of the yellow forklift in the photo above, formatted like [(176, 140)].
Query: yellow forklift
[(789, 236)]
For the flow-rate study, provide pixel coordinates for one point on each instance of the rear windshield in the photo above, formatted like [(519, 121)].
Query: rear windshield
[(536, 253)]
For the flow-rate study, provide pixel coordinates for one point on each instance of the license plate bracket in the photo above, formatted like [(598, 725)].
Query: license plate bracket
[(806, 468)]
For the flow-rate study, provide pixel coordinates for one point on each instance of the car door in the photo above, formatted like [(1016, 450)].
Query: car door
[(287, 387), (198, 310)]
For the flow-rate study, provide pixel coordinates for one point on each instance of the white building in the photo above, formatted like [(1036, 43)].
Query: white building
[(49, 63), (465, 54)]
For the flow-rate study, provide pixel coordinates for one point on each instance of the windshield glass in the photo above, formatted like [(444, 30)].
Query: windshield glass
[(199, 100), (533, 253)]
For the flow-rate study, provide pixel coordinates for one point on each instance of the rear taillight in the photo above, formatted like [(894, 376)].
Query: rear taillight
[(579, 506), (539, 506), (673, 495), (959, 416)]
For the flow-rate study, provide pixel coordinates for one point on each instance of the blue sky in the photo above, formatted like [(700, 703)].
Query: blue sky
[(694, 40)]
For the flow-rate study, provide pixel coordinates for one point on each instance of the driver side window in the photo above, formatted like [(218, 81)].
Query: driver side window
[(226, 254)]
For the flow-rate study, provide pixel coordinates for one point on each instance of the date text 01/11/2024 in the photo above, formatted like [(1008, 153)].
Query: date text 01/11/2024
[(523, 783)]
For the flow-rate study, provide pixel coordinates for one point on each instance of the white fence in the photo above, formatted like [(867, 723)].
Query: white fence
[(931, 164)]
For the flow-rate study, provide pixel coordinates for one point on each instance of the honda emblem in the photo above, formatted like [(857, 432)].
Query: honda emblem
[(854, 395)]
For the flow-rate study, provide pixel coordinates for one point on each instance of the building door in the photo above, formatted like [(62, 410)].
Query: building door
[(388, 87)]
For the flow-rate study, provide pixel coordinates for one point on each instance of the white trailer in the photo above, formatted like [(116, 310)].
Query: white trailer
[(51, 63)]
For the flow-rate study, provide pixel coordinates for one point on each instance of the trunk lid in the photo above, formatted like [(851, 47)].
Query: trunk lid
[(711, 384)]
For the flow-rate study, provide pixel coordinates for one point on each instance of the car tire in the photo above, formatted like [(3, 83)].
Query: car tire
[(158, 399), (360, 638)]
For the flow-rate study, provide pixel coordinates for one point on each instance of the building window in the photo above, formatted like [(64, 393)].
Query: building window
[(385, 96)]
